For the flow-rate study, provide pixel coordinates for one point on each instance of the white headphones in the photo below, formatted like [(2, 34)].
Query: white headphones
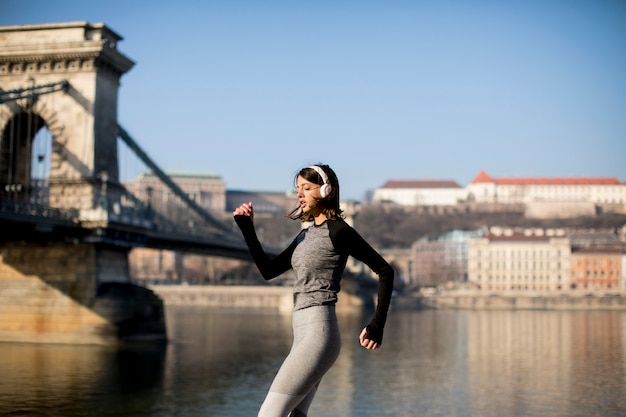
[(326, 188)]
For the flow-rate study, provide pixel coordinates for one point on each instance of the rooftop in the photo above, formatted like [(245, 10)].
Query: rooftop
[(182, 174), (483, 177), (421, 184)]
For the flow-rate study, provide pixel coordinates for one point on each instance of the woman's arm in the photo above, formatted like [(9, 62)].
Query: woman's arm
[(269, 268), (347, 239)]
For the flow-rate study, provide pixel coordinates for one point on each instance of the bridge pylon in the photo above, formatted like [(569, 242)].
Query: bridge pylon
[(82, 118)]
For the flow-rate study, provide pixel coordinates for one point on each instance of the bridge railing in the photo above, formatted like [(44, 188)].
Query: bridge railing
[(31, 209), (128, 210)]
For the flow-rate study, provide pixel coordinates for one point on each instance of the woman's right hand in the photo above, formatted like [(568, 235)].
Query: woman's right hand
[(245, 210)]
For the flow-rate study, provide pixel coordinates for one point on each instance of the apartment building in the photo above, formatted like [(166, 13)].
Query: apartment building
[(598, 259), (598, 268), (520, 260), (438, 260)]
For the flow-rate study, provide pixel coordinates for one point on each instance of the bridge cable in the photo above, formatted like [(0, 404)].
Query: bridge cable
[(32, 92), (171, 184), (30, 136), (11, 126)]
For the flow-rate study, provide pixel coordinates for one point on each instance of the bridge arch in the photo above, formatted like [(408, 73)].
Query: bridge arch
[(20, 127), (16, 138)]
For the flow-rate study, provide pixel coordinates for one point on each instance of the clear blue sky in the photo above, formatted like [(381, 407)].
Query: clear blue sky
[(254, 90)]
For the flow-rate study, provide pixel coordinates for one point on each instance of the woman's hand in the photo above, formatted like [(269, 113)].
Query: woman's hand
[(245, 210), (367, 343)]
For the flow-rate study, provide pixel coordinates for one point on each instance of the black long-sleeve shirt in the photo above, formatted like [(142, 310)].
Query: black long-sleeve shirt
[(318, 256)]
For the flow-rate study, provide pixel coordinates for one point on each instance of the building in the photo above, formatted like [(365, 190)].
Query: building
[(208, 190), (598, 259), (265, 203), (150, 266), (440, 260), (598, 268), (520, 260), (486, 189), (557, 197), (401, 261), (420, 193)]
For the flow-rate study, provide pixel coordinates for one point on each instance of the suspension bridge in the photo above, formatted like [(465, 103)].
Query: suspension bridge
[(25, 212), (65, 235)]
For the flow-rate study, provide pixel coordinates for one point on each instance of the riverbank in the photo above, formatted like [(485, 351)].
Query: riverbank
[(473, 301), (281, 298), (240, 296)]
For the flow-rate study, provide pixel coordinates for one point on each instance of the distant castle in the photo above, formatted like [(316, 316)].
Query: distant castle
[(537, 197)]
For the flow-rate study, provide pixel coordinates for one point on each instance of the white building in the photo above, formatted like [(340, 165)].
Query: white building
[(595, 190), (420, 193), (557, 197), (520, 260)]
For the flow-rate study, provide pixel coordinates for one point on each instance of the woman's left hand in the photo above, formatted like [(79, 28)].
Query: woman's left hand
[(245, 210), (367, 343)]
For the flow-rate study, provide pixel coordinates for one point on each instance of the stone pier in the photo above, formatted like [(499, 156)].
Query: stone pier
[(74, 293)]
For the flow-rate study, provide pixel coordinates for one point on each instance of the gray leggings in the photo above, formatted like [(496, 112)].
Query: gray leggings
[(316, 346)]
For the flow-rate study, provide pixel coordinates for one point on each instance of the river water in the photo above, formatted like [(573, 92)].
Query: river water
[(220, 362)]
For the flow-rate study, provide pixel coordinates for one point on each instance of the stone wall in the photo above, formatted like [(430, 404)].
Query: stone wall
[(614, 302), (559, 210), (241, 296)]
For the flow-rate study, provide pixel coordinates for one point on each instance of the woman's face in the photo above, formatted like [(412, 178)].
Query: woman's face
[(308, 195)]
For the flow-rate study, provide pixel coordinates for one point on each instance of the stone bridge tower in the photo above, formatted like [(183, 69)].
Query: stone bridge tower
[(55, 288), (82, 118)]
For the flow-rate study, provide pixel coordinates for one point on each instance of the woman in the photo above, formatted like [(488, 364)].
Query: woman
[(318, 256)]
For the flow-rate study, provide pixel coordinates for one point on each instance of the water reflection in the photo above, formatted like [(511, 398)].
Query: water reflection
[(551, 362), (58, 380), (220, 363), (487, 363)]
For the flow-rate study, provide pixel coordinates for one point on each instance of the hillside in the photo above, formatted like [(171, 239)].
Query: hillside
[(399, 228)]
